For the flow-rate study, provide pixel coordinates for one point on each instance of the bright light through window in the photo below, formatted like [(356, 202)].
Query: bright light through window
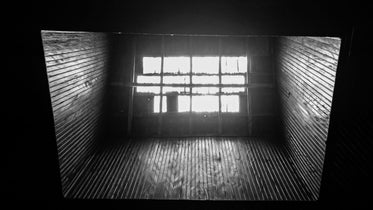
[(175, 89), (233, 65), (183, 103), (151, 65), (177, 65), (148, 89), (207, 65), (157, 102), (205, 79), (205, 99), (205, 103), (148, 79), (205, 90), (176, 79), (230, 103), (232, 90), (229, 79)]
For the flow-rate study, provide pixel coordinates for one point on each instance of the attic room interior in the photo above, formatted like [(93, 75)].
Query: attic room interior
[(210, 105)]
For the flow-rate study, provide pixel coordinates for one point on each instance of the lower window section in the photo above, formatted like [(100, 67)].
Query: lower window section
[(203, 103)]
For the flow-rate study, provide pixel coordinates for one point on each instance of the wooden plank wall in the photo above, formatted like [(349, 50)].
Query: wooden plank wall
[(76, 67), (306, 68)]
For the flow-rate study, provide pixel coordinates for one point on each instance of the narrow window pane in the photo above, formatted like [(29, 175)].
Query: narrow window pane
[(205, 103), (183, 103), (230, 103), (233, 65), (148, 89), (232, 90), (205, 90), (242, 64), (151, 65), (205, 79), (176, 79), (175, 89), (143, 79), (157, 104), (177, 65), (236, 79), (208, 65)]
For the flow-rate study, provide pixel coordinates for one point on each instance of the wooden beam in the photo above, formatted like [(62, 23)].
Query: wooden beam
[(249, 85), (190, 82), (219, 114), (161, 89), (132, 91)]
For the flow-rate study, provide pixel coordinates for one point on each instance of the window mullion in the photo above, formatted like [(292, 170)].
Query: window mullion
[(161, 89), (219, 113), (190, 85)]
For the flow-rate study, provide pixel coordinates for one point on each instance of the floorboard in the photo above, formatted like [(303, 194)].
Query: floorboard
[(195, 168)]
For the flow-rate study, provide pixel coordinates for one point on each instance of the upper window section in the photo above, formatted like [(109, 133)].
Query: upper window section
[(201, 65), (205, 65), (151, 65), (233, 65), (176, 65)]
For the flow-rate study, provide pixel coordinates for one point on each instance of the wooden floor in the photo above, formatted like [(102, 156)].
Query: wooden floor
[(203, 168)]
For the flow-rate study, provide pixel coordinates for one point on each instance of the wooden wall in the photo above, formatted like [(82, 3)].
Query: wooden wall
[(306, 70), (76, 67)]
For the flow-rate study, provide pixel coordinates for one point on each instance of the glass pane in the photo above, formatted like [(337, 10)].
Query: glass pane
[(230, 103), (176, 79), (151, 65), (205, 90), (176, 65), (205, 79), (148, 79), (208, 65), (183, 103), (205, 103), (148, 89), (232, 90), (175, 89), (157, 104), (232, 65), (236, 79)]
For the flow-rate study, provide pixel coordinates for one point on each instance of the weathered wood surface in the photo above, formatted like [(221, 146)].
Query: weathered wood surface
[(202, 168), (76, 68), (306, 76)]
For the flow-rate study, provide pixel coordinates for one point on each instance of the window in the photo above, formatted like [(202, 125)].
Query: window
[(202, 88)]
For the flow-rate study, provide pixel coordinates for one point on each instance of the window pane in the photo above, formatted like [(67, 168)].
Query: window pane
[(151, 65), (205, 90), (205, 79), (232, 90), (205, 103), (148, 79), (208, 65), (230, 103), (175, 89), (148, 89), (183, 103), (157, 104), (176, 65), (237, 79), (233, 65), (176, 79)]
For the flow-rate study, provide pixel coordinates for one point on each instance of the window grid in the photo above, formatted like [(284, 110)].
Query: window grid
[(206, 90)]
